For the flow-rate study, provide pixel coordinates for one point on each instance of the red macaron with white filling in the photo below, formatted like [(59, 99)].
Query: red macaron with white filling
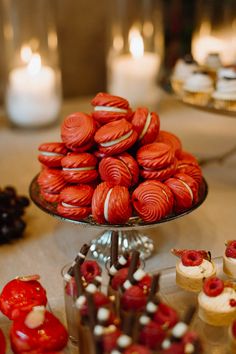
[(152, 201), (109, 108), (119, 170), (115, 137), (75, 202), (79, 167), (51, 182), (170, 139), (50, 154), (157, 161), (111, 204), (146, 124), (77, 131), (185, 191)]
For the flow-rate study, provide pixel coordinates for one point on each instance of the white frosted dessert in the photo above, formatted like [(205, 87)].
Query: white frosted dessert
[(212, 62), (182, 70), (198, 88), (229, 259), (225, 94), (192, 268), (217, 303)]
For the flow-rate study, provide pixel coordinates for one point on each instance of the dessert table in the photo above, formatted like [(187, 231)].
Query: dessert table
[(48, 243)]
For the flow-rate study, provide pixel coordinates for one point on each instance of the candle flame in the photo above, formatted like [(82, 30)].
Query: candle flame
[(136, 45), (26, 53), (34, 65), (207, 41)]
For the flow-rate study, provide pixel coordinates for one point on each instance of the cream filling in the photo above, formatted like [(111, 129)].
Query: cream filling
[(113, 142), (69, 205), (110, 109), (106, 205), (146, 126), (89, 168), (188, 188), (220, 303), (205, 269), (46, 153), (233, 260)]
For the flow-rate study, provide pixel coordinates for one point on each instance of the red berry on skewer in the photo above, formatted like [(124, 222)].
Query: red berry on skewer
[(119, 278), (133, 299), (152, 335), (2, 343), (213, 286), (89, 270), (166, 316)]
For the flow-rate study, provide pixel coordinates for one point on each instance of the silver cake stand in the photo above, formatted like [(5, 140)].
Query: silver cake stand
[(131, 235)]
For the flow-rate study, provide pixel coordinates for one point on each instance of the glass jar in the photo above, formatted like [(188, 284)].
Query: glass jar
[(33, 87), (135, 52)]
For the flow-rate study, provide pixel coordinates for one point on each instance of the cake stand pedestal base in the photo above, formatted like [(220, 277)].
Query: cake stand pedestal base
[(128, 241)]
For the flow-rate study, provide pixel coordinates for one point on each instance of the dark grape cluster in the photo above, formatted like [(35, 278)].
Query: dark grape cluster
[(12, 209)]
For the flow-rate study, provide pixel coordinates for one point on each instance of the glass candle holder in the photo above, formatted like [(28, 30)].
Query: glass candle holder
[(135, 50), (33, 87)]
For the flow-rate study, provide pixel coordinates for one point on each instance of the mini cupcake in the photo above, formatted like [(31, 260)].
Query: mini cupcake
[(224, 97), (212, 64), (217, 302), (192, 268), (182, 70), (229, 259), (198, 88)]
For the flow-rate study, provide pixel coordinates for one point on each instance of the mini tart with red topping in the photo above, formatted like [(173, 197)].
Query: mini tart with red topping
[(232, 337), (157, 161), (109, 108), (152, 200), (50, 154), (192, 267), (119, 170), (229, 259), (115, 137), (217, 302), (146, 124), (111, 204)]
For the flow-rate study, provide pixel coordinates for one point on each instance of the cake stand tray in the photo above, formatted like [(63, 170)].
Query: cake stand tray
[(131, 234)]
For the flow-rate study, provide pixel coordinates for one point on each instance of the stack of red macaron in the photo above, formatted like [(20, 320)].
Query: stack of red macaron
[(114, 163)]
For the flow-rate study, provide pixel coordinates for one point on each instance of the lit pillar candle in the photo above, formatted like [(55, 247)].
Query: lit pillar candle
[(134, 75), (31, 97)]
